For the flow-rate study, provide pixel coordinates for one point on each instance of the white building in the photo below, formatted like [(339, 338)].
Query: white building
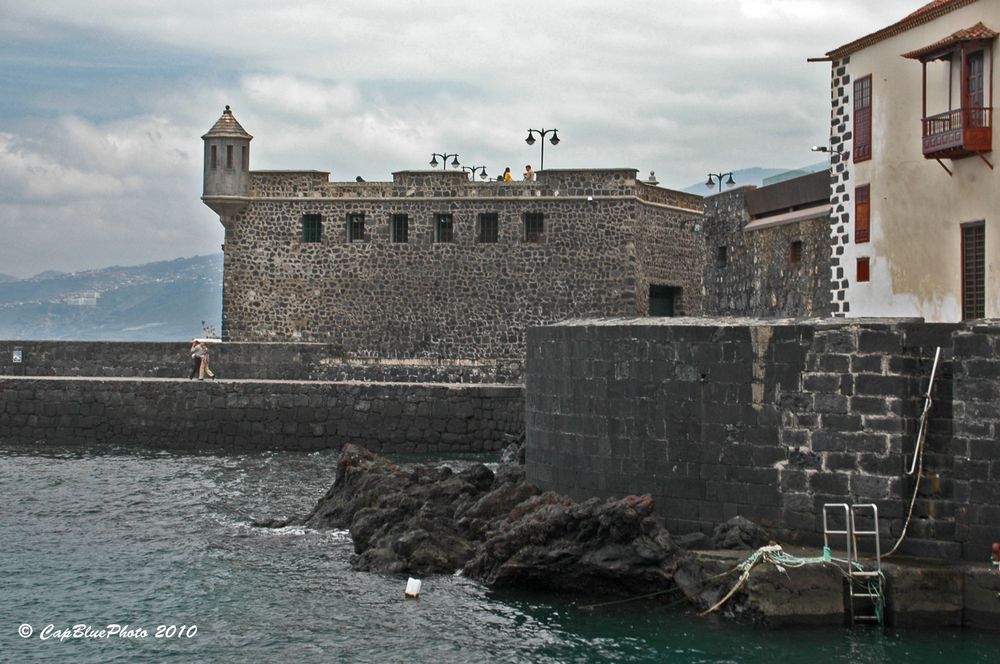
[(915, 193)]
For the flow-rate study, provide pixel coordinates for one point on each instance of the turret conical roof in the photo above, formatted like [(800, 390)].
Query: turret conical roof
[(227, 126)]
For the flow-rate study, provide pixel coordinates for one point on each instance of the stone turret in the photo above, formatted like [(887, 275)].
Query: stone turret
[(227, 166)]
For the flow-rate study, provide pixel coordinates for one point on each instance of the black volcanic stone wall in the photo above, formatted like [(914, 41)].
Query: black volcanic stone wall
[(758, 278), (374, 298), (244, 416), (718, 418)]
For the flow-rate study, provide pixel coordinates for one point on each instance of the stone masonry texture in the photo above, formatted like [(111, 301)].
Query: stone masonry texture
[(607, 238), (771, 420), (758, 277), (240, 416)]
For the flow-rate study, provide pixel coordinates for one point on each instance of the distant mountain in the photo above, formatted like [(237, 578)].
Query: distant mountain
[(163, 301), (6, 277), (48, 274), (754, 176)]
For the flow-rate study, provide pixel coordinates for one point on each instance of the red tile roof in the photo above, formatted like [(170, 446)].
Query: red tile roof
[(925, 14), (930, 6), (975, 33)]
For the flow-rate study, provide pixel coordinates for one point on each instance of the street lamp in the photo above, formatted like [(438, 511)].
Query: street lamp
[(530, 140), (471, 170), (712, 177), (444, 159)]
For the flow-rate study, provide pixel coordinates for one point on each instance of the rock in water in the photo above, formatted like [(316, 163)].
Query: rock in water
[(551, 543), (496, 528), (401, 520)]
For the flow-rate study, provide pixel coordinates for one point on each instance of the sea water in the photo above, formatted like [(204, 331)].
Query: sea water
[(119, 556)]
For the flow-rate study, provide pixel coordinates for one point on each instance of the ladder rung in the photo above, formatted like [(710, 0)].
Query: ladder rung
[(866, 595), (866, 619), (866, 532), (866, 573)]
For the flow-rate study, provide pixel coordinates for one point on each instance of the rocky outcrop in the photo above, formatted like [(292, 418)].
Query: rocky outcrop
[(551, 543), (495, 527), (738, 533)]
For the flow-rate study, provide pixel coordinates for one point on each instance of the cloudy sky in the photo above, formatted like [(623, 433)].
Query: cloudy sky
[(102, 104)]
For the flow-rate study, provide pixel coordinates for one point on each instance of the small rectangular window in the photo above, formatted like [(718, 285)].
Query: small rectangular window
[(246, 158), (215, 157), (399, 228), (489, 228), (721, 256), (356, 227), (534, 227), (862, 213), (863, 118), (973, 271), (863, 270), (444, 228), (229, 156), (795, 252), (312, 227)]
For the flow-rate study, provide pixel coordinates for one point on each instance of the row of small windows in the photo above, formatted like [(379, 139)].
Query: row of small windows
[(488, 228), (244, 160)]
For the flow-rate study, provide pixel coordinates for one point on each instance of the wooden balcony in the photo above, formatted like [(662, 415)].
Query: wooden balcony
[(959, 133)]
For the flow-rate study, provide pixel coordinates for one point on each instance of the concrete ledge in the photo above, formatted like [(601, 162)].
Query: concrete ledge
[(918, 592)]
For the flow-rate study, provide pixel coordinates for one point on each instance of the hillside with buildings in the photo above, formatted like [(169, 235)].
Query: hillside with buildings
[(166, 300)]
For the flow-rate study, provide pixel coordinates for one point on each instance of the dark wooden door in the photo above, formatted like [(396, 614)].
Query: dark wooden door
[(974, 88)]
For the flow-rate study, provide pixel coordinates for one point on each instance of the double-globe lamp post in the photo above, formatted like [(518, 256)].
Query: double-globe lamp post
[(530, 140), (713, 177), (444, 159), (471, 170)]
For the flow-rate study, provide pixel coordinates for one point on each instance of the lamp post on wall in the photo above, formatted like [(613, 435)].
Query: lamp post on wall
[(716, 178), (530, 140), (832, 151), (471, 170), (444, 159)]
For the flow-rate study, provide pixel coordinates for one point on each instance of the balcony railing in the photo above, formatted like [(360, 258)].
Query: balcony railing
[(958, 133)]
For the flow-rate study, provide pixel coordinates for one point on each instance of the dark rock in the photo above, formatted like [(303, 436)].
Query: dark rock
[(739, 533), (495, 527), (551, 543), (694, 540)]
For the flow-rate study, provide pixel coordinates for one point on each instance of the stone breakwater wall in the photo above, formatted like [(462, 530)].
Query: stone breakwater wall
[(260, 361), (240, 416), (770, 420)]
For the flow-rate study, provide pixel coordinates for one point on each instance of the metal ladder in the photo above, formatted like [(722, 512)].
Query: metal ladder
[(862, 583)]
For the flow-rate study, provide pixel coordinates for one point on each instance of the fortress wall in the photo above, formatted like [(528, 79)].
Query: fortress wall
[(425, 299), (770, 420), (260, 361), (245, 416)]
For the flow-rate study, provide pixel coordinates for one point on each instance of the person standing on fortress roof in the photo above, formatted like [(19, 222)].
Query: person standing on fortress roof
[(507, 177), (529, 175)]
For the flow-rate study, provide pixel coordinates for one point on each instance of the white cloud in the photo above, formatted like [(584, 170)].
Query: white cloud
[(30, 175)]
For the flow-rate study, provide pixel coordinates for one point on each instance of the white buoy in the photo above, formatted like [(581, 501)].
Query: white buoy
[(413, 588)]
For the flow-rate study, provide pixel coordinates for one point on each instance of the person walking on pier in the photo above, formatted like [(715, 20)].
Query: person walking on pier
[(206, 371), (198, 353)]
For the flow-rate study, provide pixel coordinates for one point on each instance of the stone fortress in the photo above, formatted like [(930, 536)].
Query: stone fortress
[(433, 265)]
